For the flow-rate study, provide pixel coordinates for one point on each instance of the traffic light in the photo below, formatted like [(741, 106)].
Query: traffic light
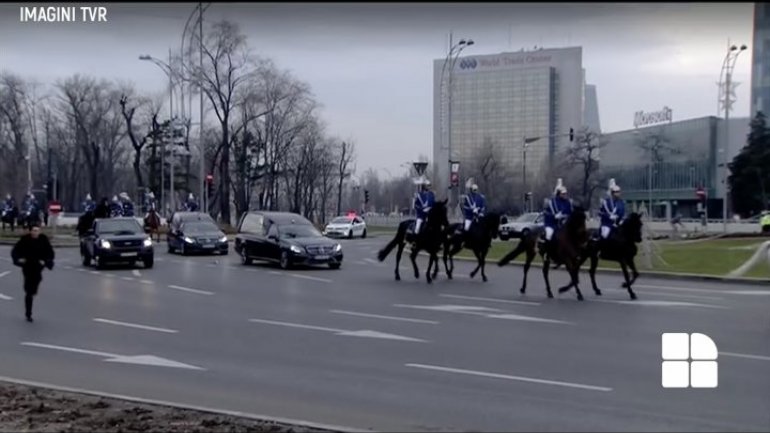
[(527, 196), (210, 186), (366, 196), (571, 134)]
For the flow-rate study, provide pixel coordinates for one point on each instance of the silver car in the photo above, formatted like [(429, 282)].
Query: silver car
[(521, 226)]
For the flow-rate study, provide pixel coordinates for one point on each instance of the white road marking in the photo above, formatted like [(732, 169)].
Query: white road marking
[(652, 303), (676, 295), (2, 274), (687, 289), (134, 325), (94, 272), (69, 267), (752, 292), (5, 297), (275, 273), (489, 313), (474, 298), (146, 282), (508, 377), (377, 316), (364, 333), (80, 270), (743, 355), (136, 273), (123, 359), (127, 278), (187, 289), (110, 275), (308, 277), (508, 316), (372, 261)]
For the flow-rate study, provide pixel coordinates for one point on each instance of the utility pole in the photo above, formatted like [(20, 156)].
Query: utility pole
[(202, 171)]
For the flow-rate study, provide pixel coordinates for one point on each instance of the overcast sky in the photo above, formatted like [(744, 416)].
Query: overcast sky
[(369, 64)]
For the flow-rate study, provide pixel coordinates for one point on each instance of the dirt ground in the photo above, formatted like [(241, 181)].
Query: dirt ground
[(29, 409)]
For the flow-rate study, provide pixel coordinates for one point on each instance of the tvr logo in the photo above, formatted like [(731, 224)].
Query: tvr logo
[(689, 360)]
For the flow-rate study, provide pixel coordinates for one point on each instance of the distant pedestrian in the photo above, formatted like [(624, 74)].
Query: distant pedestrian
[(32, 253)]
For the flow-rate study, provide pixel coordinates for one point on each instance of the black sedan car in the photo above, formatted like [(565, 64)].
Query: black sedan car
[(288, 239), (116, 240), (197, 236)]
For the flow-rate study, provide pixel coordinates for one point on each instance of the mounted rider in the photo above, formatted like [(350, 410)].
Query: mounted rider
[(558, 208), (423, 201), (126, 204), (88, 204), (191, 205), (612, 210), (116, 207), (148, 202), (474, 206), (9, 203)]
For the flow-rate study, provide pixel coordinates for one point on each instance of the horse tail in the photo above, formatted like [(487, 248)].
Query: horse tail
[(397, 239), (527, 243)]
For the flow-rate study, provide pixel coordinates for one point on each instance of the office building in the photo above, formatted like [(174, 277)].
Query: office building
[(503, 98), (760, 67), (690, 157)]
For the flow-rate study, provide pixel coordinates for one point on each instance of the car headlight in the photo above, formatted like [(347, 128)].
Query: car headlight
[(223, 239), (105, 244), (296, 249), (148, 243), (338, 248), (189, 240)]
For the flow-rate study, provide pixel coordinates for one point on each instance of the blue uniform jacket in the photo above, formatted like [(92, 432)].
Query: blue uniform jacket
[(9, 204), (610, 207), (88, 205), (556, 205), (472, 201), (423, 201), (128, 209), (192, 206), (116, 210)]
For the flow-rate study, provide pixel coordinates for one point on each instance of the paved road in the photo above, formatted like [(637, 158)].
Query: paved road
[(354, 348)]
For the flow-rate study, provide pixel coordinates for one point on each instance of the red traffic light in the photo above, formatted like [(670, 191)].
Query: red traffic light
[(455, 179), (209, 178)]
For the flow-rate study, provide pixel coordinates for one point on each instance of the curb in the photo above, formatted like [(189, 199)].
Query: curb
[(659, 274), (254, 417)]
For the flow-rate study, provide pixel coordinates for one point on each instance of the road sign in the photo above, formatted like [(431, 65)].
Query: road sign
[(209, 178), (700, 192), (54, 208), (455, 179)]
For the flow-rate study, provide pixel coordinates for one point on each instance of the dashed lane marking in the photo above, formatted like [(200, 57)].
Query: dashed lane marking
[(377, 316), (3, 274), (135, 325), (189, 290), (746, 356), (475, 298)]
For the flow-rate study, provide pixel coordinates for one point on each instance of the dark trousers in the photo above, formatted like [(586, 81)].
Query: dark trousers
[(32, 279)]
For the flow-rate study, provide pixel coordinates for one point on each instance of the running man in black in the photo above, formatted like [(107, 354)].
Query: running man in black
[(32, 253)]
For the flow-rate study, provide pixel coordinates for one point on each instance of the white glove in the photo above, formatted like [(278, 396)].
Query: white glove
[(614, 217), (559, 216)]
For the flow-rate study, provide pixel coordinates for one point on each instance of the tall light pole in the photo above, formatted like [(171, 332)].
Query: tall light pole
[(728, 99), (448, 67), (526, 142), (166, 68)]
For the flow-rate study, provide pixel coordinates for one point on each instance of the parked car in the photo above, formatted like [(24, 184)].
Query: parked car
[(521, 226), (288, 239), (116, 240), (347, 226), (197, 236)]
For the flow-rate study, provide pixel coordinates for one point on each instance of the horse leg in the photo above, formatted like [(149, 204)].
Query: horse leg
[(592, 273), (447, 269), (413, 258), (546, 265), (634, 272), (574, 271), (483, 265), (624, 268), (399, 252), (478, 264), (527, 263)]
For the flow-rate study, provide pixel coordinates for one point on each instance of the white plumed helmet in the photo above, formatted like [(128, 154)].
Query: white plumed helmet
[(614, 186), (474, 187), (560, 188)]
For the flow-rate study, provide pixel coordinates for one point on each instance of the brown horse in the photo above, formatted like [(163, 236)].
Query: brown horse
[(152, 223), (565, 248)]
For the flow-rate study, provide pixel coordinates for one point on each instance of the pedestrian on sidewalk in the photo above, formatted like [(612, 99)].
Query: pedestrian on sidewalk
[(32, 253)]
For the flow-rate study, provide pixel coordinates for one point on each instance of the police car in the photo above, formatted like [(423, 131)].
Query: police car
[(348, 226)]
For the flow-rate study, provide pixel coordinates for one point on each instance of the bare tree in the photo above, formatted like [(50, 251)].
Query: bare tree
[(136, 143), (12, 110), (582, 156), (344, 160)]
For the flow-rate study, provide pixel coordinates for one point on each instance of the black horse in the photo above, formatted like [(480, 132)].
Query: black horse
[(85, 223), (565, 248), (478, 239), (9, 216), (430, 239), (619, 247), (28, 218)]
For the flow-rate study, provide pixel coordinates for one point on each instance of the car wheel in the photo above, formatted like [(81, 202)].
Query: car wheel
[(132, 263), (182, 250), (148, 263), (170, 248), (335, 265), (245, 260), (350, 234), (363, 235), (100, 263), (285, 261), (524, 233)]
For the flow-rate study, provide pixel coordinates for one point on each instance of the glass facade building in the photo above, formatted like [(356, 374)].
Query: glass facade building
[(689, 155), (760, 68), (503, 99)]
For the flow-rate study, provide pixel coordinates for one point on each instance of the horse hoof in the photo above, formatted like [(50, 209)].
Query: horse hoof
[(473, 275), (598, 292), (624, 285), (564, 289), (522, 290), (398, 278), (633, 296), (484, 279), (550, 295), (580, 298)]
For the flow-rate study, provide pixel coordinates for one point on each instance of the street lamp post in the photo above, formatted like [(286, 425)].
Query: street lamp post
[(728, 98), (449, 63), (526, 141)]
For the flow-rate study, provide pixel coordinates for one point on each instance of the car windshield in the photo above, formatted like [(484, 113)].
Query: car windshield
[(199, 227), (291, 231), (527, 218), (341, 220), (128, 227)]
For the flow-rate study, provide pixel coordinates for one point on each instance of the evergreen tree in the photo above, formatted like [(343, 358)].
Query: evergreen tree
[(750, 170)]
